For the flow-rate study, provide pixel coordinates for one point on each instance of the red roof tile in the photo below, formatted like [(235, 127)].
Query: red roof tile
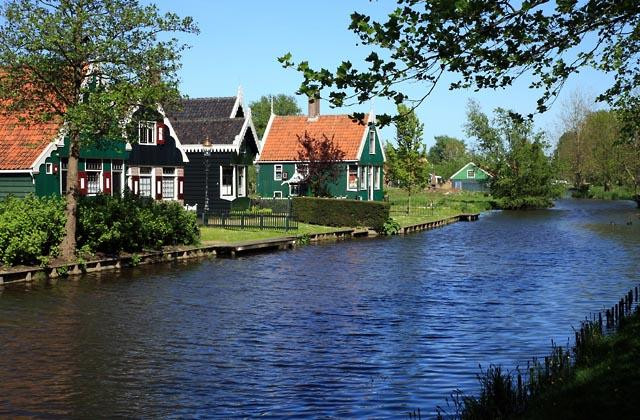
[(22, 144), (281, 142)]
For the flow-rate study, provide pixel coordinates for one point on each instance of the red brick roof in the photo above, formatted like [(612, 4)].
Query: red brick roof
[(281, 141), (22, 144)]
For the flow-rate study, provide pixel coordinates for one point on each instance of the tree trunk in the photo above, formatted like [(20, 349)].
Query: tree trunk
[(68, 245)]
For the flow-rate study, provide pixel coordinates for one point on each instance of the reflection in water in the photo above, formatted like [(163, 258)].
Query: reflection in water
[(361, 328)]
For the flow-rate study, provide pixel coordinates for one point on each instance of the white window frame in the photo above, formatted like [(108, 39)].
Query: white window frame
[(150, 177), (97, 170), (291, 194), (233, 175), (48, 168), (376, 177), (472, 172), (372, 142), (241, 180), (277, 194), (147, 125), (363, 175), (275, 172), (169, 176), (357, 178)]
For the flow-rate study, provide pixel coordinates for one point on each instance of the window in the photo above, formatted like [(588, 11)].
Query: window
[(352, 177), (302, 169), (372, 142), (49, 167), (168, 183), (277, 194), (376, 177), (240, 182), (294, 190), (146, 132), (226, 184), (145, 182), (116, 166), (93, 169), (64, 165), (471, 173), (363, 178), (277, 172)]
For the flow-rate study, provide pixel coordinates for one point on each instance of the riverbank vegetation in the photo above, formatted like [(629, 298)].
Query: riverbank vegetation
[(32, 228), (217, 234), (595, 378)]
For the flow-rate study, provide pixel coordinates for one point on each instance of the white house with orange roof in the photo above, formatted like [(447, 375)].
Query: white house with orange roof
[(280, 172)]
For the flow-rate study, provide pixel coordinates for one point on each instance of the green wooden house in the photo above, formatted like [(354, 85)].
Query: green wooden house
[(281, 174), (471, 177)]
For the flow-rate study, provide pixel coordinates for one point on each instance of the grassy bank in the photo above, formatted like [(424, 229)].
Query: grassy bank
[(598, 377), (214, 234), (427, 206), (597, 192)]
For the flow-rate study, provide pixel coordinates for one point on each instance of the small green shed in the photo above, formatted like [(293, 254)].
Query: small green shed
[(471, 177)]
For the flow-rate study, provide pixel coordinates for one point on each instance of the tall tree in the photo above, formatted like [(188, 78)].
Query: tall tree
[(523, 174), (407, 162), (88, 64), (487, 44), (447, 155), (322, 157), (261, 109)]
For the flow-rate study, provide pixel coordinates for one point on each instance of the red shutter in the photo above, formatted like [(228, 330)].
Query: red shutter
[(158, 188), (135, 185), (180, 188), (106, 183), (160, 132), (83, 187)]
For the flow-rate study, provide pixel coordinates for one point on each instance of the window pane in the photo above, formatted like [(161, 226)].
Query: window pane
[(227, 181), (353, 177), (168, 188), (93, 182), (145, 186)]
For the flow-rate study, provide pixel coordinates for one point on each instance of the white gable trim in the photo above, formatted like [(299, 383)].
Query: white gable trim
[(465, 167), (265, 136), (239, 103), (197, 148), (57, 141), (371, 118), (173, 134)]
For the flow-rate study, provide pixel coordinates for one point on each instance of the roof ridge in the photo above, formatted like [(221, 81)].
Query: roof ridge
[(208, 98), (206, 119)]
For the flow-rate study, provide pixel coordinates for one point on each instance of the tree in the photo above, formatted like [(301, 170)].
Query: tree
[(408, 166), (448, 155), (487, 44), (261, 109), (322, 157), (87, 64), (523, 175)]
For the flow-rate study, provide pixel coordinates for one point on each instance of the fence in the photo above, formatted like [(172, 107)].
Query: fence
[(276, 205), (251, 220)]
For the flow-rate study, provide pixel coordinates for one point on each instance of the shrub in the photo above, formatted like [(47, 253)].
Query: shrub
[(30, 229), (333, 212)]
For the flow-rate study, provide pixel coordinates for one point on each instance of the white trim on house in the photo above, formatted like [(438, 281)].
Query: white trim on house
[(465, 166), (197, 148), (173, 134), (357, 177), (35, 168), (264, 137), (239, 103), (275, 171), (16, 171), (278, 193)]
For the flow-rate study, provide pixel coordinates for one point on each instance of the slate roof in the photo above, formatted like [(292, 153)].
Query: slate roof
[(281, 142), (197, 108), (22, 144), (220, 131)]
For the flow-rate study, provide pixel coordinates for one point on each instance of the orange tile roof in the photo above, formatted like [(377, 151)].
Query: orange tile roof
[(21, 144), (281, 142)]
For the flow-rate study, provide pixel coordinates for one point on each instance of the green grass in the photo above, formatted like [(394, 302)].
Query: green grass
[(607, 386), (427, 206), (616, 193), (210, 234)]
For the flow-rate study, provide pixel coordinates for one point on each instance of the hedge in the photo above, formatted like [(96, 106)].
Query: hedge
[(334, 212)]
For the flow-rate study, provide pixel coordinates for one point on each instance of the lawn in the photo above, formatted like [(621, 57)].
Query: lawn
[(427, 206), (211, 234)]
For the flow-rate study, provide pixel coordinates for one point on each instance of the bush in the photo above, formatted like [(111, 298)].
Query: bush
[(333, 212), (30, 229)]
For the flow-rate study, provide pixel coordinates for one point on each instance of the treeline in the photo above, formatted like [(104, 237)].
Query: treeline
[(594, 151)]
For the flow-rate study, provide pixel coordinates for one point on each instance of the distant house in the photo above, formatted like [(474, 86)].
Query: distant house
[(226, 123), (471, 177), (361, 172)]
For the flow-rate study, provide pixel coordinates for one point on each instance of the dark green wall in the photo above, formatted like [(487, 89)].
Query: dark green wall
[(18, 185)]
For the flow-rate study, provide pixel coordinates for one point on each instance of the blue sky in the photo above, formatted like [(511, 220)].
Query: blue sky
[(240, 41)]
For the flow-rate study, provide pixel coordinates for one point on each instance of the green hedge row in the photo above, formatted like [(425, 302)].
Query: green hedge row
[(333, 212), (31, 228)]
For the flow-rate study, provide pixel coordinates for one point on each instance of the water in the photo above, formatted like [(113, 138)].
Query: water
[(364, 328)]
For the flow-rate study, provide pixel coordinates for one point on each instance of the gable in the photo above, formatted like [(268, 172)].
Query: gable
[(368, 158), (462, 174)]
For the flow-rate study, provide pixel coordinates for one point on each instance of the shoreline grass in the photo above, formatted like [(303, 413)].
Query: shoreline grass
[(218, 234)]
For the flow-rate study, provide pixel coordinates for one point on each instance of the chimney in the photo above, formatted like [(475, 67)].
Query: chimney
[(314, 107)]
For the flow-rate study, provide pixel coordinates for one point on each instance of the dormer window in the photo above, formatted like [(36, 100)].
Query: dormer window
[(372, 142), (147, 132)]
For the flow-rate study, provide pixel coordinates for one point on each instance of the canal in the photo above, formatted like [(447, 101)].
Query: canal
[(363, 328)]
